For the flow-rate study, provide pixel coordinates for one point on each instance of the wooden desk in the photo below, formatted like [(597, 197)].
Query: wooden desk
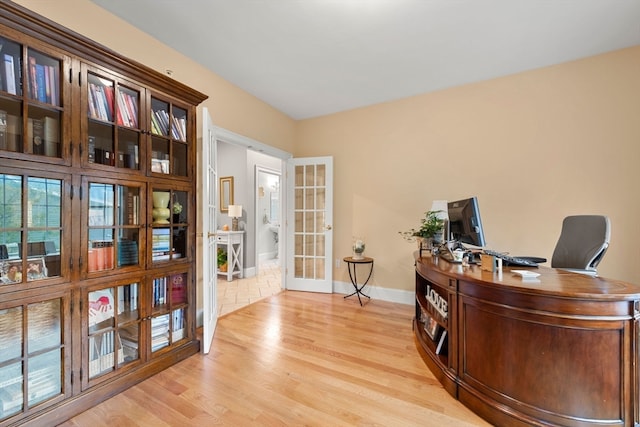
[(559, 350)]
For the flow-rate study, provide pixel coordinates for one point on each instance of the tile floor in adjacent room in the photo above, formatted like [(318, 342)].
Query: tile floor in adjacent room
[(242, 292)]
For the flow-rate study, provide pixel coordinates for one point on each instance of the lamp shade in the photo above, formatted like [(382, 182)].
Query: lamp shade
[(441, 207), (235, 211)]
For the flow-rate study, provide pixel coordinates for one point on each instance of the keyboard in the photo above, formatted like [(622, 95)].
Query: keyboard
[(508, 260)]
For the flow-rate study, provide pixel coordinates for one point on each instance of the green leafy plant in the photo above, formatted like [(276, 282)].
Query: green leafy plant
[(430, 226), (222, 257)]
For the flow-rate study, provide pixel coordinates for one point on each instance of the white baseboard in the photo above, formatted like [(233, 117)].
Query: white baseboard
[(376, 292)]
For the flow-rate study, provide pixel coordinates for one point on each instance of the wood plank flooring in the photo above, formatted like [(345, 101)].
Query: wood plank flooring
[(295, 359)]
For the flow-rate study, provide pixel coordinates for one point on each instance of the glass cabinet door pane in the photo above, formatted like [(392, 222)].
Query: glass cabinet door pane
[(179, 159), (45, 376), (101, 309), (44, 326), (160, 156), (43, 78), (179, 204), (43, 132), (178, 324), (159, 293), (102, 349), (101, 220), (100, 98), (179, 124), (159, 332), (159, 117), (178, 289), (127, 107), (10, 334), (128, 330), (11, 124), (11, 76), (128, 149), (12, 399), (44, 231)]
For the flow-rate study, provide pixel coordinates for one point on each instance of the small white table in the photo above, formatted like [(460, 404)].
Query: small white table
[(233, 242)]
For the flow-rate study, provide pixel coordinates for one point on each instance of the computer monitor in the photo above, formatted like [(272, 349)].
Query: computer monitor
[(465, 225)]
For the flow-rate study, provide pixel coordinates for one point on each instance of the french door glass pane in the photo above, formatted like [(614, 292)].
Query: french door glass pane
[(309, 217)]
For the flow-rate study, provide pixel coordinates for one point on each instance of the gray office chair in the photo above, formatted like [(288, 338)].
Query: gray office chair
[(583, 241)]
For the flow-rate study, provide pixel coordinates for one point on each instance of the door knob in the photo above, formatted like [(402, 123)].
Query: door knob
[(328, 227)]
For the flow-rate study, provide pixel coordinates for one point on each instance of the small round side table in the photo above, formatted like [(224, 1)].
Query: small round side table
[(351, 266)]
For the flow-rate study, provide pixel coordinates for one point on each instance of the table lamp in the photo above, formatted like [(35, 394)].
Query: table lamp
[(235, 212)]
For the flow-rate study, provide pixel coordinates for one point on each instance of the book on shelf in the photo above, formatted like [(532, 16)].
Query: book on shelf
[(41, 86), (178, 288), (3, 130), (10, 75), (442, 342), (14, 133), (51, 137), (35, 136), (159, 291), (91, 149)]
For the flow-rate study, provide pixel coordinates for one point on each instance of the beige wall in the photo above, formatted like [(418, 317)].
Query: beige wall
[(534, 147), (230, 107)]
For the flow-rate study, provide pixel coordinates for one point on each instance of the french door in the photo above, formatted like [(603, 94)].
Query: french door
[(309, 230), (209, 227)]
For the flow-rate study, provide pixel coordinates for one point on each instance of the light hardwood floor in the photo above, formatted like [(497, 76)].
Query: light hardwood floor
[(295, 359)]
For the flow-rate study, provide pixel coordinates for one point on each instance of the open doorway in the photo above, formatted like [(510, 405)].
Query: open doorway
[(252, 165), (268, 215)]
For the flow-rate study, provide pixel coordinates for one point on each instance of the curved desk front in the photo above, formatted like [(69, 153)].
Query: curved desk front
[(558, 350)]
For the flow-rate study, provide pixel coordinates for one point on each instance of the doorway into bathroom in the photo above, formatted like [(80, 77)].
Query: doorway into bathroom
[(268, 215)]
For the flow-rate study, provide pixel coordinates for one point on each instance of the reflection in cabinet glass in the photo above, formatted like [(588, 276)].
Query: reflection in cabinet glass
[(41, 344), (40, 223)]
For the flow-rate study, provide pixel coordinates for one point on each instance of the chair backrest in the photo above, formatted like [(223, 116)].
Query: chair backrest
[(583, 241)]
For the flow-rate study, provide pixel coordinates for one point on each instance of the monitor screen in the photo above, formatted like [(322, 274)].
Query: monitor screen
[(465, 225)]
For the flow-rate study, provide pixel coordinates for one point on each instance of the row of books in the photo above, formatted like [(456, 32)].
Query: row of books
[(127, 109), (101, 102), (44, 85), (101, 255), (161, 123), (128, 298), (102, 353), (101, 105), (159, 332)]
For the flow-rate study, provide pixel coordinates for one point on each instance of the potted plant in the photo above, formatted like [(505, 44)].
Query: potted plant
[(431, 228), (222, 260)]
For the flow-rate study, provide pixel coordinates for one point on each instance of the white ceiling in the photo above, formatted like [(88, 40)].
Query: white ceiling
[(309, 58)]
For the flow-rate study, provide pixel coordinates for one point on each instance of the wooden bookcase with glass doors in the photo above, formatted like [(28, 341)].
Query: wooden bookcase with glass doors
[(97, 221)]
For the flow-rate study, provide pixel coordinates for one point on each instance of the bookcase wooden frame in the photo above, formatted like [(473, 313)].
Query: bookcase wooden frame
[(85, 380)]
